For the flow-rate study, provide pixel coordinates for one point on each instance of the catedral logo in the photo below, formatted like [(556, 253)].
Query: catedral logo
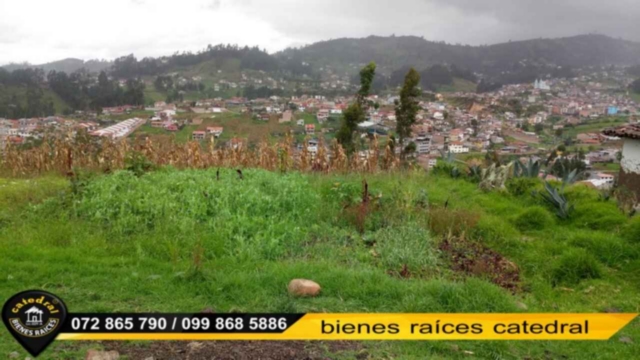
[(34, 318)]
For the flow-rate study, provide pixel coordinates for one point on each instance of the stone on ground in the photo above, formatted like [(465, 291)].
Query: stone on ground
[(303, 287)]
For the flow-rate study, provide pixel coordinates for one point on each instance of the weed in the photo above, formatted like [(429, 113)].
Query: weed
[(406, 245), (445, 222)]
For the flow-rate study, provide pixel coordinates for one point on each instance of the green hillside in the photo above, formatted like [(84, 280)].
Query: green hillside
[(180, 241), (7, 92), (459, 85)]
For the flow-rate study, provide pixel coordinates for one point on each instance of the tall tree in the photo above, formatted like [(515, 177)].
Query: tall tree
[(407, 108), (356, 112)]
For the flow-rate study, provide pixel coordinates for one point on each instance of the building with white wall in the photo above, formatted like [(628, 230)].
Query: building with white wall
[(630, 163)]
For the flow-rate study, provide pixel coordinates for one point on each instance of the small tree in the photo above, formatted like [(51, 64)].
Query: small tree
[(356, 112), (407, 108)]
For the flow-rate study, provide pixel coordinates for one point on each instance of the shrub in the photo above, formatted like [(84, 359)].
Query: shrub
[(574, 266), (599, 216), (521, 186), (632, 230), (137, 163), (442, 168), (407, 245), (535, 218)]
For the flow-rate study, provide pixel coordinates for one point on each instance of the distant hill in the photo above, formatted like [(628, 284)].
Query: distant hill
[(392, 53), (67, 65), (227, 70)]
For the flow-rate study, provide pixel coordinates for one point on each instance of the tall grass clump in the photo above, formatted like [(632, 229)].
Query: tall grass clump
[(598, 216), (407, 246), (632, 230), (533, 219), (496, 230), (609, 249), (574, 266), (457, 222)]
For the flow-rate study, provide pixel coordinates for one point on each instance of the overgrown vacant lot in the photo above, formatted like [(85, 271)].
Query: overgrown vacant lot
[(182, 241)]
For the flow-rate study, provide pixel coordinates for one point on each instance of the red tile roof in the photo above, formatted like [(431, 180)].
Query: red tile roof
[(631, 131)]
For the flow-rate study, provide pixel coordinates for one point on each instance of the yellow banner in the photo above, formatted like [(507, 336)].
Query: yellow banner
[(416, 327)]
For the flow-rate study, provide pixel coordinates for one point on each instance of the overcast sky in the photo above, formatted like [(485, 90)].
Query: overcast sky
[(40, 31)]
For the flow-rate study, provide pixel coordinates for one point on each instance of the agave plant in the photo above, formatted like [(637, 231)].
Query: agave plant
[(475, 172), (495, 177), (570, 178), (531, 169), (555, 197)]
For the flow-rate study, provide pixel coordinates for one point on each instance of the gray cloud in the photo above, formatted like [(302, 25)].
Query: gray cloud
[(35, 32), (459, 21)]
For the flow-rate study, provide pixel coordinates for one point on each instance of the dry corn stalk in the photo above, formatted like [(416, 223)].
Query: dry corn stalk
[(64, 153)]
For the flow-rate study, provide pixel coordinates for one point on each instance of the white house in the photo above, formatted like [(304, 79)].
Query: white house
[(457, 147), (215, 130), (34, 316), (630, 163)]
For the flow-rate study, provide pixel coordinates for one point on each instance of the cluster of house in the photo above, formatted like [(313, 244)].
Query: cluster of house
[(119, 110), (18, 131)]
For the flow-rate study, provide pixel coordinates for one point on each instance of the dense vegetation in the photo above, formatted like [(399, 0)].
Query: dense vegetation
[(183, 241), (81, 93), (22, 94), (250, 58), (27, 89)]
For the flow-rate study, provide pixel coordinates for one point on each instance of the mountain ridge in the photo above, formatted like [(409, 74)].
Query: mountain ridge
[(68, 65), (395, 52)]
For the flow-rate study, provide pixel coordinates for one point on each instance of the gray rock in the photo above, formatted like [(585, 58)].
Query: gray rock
[(626, 340)]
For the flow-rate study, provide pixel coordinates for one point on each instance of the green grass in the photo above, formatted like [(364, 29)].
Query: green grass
[(151, 95), (133, 244), (593, 126), (613, 167)]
